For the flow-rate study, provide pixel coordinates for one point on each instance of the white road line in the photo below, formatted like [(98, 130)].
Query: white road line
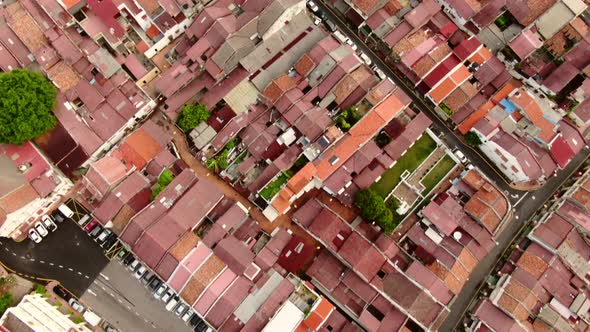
[(51, 264), (119, 300), (102, 287), (128, 307), (71, 270), (79, 273), (61, 266), (22, 257), (137, 313), (523, 196), (13, 254), (42, 262), (6, 249), (91, 292), (32, 259), (104, 276), (87, 277), (112, 295)]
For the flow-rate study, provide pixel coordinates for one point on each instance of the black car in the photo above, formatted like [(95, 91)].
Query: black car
[(154, 284), (57, 216), (195, 320), (201, 327), (128, 260), (109, 242), (59, 291)]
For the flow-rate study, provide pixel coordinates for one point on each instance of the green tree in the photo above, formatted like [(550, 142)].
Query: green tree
[(5, 302), (472, 139), (214, 165), (373, 208), (191, 116), (163, 180), (26, 101)]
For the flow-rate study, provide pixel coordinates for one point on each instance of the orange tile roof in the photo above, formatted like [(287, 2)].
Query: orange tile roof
[(18, 198), (533, 111), (144, 146), (460, 75), (318, 315), (474, 117), (63, 76), (481, 56), (152, 31), (532, 264), (304, 65), (142, 46), (442, 90), (70, 3), (506, 90), (278, 87), (25, 27)]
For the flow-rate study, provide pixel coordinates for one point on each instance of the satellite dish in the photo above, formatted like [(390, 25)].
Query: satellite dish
[(457, 235)]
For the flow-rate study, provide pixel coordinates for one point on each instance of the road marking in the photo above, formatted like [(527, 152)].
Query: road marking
[(87, 277), (51, 264), (6, 249), (104, 276), (13, 254), (42, 262), (137, 313), (91, 292), (61, 266), (520, 200), (71, 270), (128, 307), (120, 301), (112, 295), (22, 257), (32, 259), (79, 273)]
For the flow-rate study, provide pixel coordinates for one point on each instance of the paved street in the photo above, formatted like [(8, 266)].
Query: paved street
[(67, 255), (129, 306), (526, 206)]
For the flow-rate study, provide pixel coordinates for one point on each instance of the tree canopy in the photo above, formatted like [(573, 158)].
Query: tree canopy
[(373, 208), (26, 101), (191, 116), (5, 301), (472, 139)]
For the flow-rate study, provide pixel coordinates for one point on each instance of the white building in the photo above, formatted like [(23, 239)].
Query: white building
[(35, 314)]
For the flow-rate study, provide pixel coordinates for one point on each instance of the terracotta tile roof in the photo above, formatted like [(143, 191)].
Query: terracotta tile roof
[(153, 32), (63, 76), (18, 198), (512, 306), (201, 278), (139, 148), (350, 83), (366, 7), (278, 87), (25, 27), (528, 104), (150, 6), (532, 264), (319, 314), (184, 245), (304, 65)]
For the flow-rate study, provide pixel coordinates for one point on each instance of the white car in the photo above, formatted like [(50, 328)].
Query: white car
[(380, 73), (351, 43), (160, 291), (180, 309), (140, 271), (166, 297), (48, 223), (76, 305), (34, 236), (314, 8), (366, 59), (187, 315), (460, 156), (317, 21), (41, 229)]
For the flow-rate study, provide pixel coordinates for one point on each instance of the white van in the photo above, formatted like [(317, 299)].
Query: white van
[(65, 210), (340, 36), (172, 304)]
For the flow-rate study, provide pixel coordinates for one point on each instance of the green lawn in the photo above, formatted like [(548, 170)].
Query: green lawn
[(435, 175), (274, 187), (409, 161)]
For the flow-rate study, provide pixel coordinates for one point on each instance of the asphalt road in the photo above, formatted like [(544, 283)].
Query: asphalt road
[(524, 204), (67, 255), (127, 304)]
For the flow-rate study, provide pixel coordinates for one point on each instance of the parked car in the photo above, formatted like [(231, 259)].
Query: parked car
[(314, 8), (134, 265), (41, 229), (366, 59), (168, 295), (108, 327), (140, 271), (317, 21), (76, 305), (461, 156), (154, 283), (57, 216), (34, 236), (122, 254), (103, 236), (95, 231), (84, 220), (201, 327), (109, 242), (59, 291), (65, 211), (147, 277), (90, 226), (180, 309), (160, 291), (351, 44), (48, 223), (195, 320), (172, 303), (187, 315), (128, 260)]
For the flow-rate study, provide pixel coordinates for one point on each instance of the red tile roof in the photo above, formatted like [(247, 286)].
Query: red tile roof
[(362, 256), (561, 152)]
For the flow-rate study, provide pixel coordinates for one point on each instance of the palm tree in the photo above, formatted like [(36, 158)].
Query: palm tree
[(214, 165)]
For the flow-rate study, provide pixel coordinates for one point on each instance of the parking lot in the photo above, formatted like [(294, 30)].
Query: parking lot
[(67, 255), (127, 303)]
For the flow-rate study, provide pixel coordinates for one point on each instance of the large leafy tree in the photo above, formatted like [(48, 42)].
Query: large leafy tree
[(191, 116), (473, 139), (373, 208), (26, 101)]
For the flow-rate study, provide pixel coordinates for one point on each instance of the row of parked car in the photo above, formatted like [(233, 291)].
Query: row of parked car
[(101, 235), (47, 225), (162, 292)]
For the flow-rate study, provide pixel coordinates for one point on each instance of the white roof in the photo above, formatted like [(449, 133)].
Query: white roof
[(286, 320)]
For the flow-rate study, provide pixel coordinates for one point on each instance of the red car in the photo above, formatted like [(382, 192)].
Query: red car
[(90, 226)]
